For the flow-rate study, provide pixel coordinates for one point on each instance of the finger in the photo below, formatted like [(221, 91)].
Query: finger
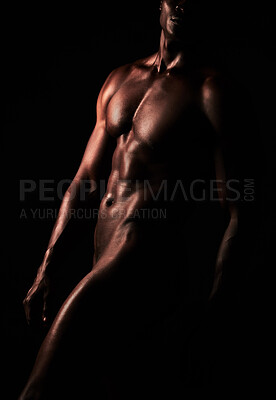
[(26, 305), (46, 309), (46, 315), (46, 305), (45, 312), (33, 309)]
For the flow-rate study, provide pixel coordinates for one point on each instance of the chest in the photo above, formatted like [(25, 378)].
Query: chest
[(156, 111), (161, 120)]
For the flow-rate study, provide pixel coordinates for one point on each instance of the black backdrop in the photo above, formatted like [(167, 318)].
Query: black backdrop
[(55, 62)]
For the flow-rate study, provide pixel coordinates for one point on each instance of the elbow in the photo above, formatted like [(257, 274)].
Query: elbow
[(80, 190), (84, 183)]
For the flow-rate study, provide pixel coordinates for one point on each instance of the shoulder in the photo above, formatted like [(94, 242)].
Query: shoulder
[(226, 103), (113, 82), (217, 99), (220, 96), (215, 87), (221, 89), (122, 74)]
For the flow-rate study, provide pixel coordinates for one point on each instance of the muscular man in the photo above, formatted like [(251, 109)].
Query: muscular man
[(165, 124)]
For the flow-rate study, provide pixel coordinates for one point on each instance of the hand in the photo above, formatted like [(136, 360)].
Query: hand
[(36, 302)]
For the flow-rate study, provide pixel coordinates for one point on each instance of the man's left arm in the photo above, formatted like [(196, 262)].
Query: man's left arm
[(221, 106)]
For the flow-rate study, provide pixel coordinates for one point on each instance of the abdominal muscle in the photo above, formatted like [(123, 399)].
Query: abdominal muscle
[(131, 207)]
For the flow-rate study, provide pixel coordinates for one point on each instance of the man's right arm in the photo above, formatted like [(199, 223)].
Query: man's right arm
[(95, 165)]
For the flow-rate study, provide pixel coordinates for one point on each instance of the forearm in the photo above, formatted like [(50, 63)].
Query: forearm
[(225, 254), (65, 230), (65, 233)]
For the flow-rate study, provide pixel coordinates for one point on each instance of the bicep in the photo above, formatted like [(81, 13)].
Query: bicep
[(96, 161), (97, 156)]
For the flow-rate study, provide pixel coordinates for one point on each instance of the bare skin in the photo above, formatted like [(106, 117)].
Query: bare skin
[(161, 119)]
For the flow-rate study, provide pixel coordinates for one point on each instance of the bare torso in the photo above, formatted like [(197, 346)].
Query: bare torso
[(164, 142)]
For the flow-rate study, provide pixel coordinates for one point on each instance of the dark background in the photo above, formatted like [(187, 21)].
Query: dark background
[(55, 62)]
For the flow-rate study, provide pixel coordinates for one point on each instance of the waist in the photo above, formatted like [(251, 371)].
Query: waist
[(146, 216)]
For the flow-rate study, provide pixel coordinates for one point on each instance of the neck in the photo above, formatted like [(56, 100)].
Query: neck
[(174, 54)]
